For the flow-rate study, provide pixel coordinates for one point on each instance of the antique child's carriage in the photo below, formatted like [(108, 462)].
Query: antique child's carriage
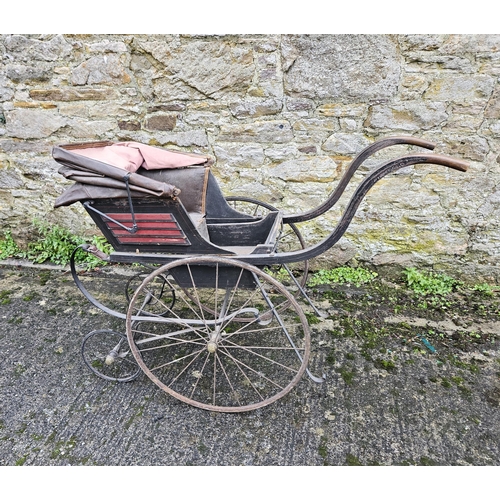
[(210, 324)]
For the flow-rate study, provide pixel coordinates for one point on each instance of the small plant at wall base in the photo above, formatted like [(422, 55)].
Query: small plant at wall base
[(353, 275), (485, 289), (8, 247), (55, 245), (433, 287)]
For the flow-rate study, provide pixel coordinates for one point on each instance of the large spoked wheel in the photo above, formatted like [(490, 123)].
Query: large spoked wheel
[(289, 240), (107, 354), (237, 340)]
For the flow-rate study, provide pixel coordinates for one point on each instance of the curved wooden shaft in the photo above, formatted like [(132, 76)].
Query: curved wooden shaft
[(357, 197), (355, 164)]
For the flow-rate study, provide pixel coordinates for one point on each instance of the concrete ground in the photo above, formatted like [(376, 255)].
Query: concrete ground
[(401, 405)]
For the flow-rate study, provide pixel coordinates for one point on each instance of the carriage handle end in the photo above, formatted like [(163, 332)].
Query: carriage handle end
[(447, 161), (92, 249)]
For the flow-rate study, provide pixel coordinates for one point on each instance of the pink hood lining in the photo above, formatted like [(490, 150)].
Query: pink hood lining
[(131, 156)]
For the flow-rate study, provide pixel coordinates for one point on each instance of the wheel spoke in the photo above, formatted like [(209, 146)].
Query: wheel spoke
[(152, 337), (176, 360), (173, 344), (235, 394), (200, 375), (251, 350), (238, 366), (249, 368)]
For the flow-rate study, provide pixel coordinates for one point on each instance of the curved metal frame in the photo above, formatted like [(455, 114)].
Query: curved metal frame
[(351, 170), (110, 357)]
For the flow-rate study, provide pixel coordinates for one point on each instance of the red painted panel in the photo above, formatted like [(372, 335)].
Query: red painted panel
[(153, 228)]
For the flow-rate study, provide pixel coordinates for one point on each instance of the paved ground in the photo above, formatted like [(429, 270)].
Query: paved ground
[(421, 408)]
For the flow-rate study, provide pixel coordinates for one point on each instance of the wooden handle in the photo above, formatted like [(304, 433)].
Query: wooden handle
[(446, 161)]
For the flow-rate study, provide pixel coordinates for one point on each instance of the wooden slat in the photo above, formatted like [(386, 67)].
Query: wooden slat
[(157, 241), (127, 217), (145, 225), (153, 234)]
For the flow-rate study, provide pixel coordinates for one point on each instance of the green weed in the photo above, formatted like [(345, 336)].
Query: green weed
[(385, 364), (56, 244), (21, 461), (312, 319), (347, 374), (353, 275), (429, 283), (331, 357), (432, 287), (484, 289), (8, 247), (322, 449), (352, 460), (5, 297)]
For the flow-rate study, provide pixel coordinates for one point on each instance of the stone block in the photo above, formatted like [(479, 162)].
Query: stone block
[(187, 139), (29, 48), (99, 70), (255, 108), (317, 169), (460, 88), (275, 131), (9, 178), (299, 104), (21, 73), (240, 155), (129, 125), (84, 129), (280, 152), (337, 109), (33, 123), (410, 116), (493, 107), (6, 92), (108, 46), (345, 144), (207, 66), (349, 68), (71, 94), (161, 122)]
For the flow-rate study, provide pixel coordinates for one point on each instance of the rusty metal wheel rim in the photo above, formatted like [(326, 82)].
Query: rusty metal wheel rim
[(106, 353), (211, 344)]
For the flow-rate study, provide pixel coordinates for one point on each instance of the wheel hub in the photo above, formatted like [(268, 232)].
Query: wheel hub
[(212, 347)]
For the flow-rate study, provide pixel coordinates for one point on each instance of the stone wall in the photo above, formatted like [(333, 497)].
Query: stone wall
[(282, 115)]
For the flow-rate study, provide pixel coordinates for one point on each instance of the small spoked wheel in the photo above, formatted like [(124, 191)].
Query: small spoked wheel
[(159, 295), (107, 354), (237, 340)]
